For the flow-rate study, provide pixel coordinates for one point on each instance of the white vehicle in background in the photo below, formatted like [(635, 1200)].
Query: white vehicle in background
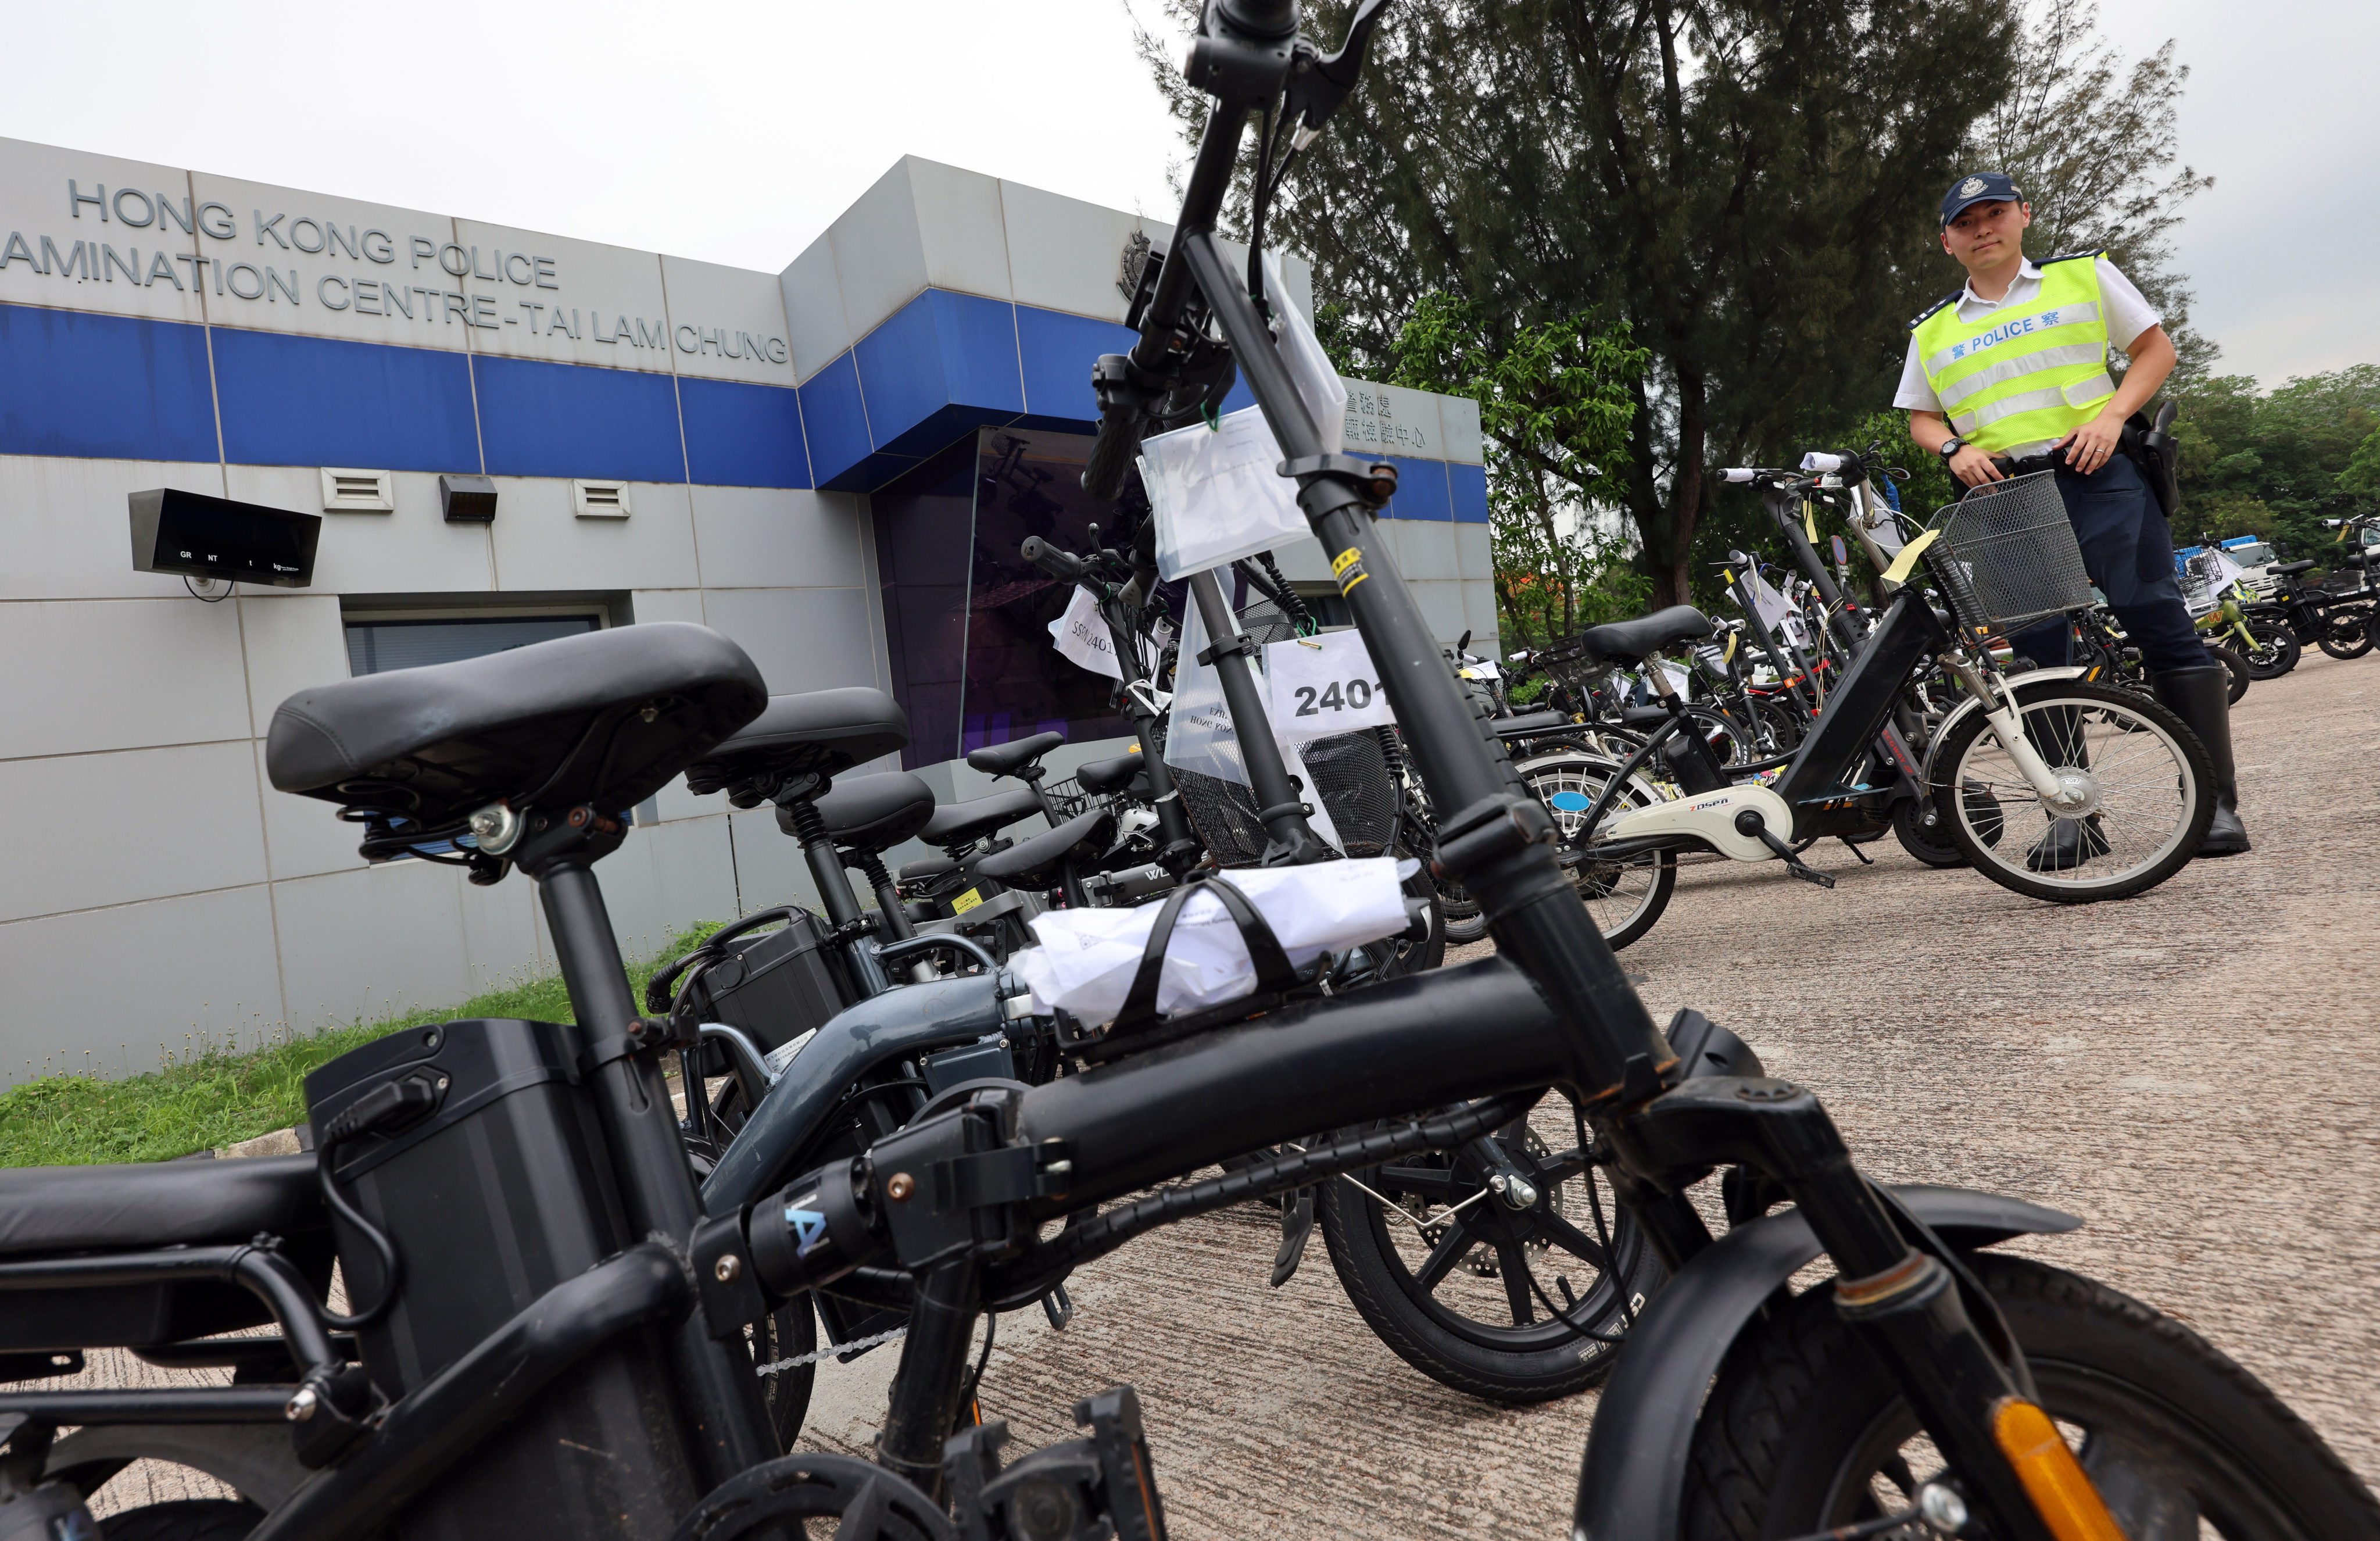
[(2254, 557)]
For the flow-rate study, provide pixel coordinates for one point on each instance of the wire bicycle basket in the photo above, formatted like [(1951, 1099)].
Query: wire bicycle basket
[(2005, 556)]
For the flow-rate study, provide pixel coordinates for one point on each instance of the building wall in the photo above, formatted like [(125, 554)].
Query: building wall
[(159, 895)]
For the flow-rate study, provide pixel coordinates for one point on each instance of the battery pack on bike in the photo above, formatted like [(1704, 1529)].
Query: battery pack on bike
[(489, 1179)]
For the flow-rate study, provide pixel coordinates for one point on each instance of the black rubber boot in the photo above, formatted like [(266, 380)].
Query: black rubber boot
[(2202, 698), (2069, 844)]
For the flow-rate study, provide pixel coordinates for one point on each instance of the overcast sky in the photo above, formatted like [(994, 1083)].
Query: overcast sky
[(737, 132)]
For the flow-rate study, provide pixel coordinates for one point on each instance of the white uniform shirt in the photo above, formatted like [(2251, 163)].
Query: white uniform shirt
[(2127, 311)]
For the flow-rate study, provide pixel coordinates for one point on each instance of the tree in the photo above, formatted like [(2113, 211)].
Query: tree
[(1749, 185), (1556, 402), (2280, 462), (2091, 145)]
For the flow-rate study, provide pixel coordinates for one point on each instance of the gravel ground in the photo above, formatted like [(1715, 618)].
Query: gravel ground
[(2185, 1070)]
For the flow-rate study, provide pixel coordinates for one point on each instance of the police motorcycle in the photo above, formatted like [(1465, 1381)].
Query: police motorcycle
[(1930, 1389)]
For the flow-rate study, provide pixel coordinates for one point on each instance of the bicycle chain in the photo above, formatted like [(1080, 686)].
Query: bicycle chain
[(830, 1351)]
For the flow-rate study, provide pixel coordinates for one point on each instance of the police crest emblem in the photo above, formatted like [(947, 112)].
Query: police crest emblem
[(1970, 186)]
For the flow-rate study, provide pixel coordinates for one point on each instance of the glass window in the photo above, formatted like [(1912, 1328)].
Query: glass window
[(966, 617), (376, 647), (2255, 554)]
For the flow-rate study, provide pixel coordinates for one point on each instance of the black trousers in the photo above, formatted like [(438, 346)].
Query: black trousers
[(2128, 549)]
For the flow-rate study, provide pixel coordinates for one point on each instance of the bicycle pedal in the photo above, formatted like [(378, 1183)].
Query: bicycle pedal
[(1810, 874)]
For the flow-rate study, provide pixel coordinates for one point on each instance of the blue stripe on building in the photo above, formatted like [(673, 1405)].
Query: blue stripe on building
[(1469, 486), (566, 420), (739, 435), (1421, 490), (104, 387), (1055, 352), (314, 401), (943, 364)]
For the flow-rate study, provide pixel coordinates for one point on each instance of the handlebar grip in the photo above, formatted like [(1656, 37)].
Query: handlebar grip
[(1062, 565), (1113, 455), (1736, 473)]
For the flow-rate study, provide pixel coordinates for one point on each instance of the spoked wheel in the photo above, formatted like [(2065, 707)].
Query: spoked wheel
[(1626, 897), (2274, 651), (2136, 791), (1514, 1300), (1805, 1429), (2349, 633)]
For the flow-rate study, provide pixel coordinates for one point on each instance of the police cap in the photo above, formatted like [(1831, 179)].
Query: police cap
[(1983, 187)]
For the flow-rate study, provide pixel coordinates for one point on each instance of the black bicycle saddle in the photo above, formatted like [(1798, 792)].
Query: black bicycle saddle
[(2298, 567), (872, 814), (1033, 863), (819, 732), (965, 823), (604, 718), (1007, 759), (1108, 775), (1635, 641)]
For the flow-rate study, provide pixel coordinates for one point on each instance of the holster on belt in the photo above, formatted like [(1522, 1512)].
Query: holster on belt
[(2154, 450)]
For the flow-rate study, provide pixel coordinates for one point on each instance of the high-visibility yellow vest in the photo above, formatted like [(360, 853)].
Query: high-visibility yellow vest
[(2027, 373)]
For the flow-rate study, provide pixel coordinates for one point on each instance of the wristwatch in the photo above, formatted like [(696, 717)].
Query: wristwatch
[(1952, 446)]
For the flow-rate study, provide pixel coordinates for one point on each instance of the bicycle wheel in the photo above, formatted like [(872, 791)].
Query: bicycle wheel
[(2275, 651), (2138, 790), (1805, 1428), (1490, 1299), (1625, 897), (788, 1332), (2349, 633), (1917, 824)]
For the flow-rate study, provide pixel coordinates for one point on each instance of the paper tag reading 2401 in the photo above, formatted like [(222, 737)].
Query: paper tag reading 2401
[(1324, 685)]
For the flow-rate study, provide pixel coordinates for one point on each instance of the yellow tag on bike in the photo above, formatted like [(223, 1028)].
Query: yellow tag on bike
[(1809, 519), (967, 901), (1906, 562)]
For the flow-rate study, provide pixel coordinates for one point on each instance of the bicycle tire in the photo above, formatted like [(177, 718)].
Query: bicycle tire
[(1917, 824), (1801, 1404), (2349, 635), (1979, 820), (2276, 651), (1549, 777), (1513, 1365), (788, 1332)]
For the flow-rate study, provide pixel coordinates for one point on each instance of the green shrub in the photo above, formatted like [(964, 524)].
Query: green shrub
[(218, 1096)]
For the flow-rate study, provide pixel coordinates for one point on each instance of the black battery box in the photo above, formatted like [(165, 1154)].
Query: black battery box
[(503, 1191), (778, 984)]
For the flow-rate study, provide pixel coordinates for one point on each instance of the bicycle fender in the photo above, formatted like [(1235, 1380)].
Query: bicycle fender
[(1969, 703), (1631, 1484), (900, 1022)]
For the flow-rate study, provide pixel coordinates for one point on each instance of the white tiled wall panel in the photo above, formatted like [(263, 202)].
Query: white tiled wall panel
[(112, 990), (113, 828)]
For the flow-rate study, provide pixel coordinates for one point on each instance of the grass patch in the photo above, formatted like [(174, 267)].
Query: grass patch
[(220, 1097)]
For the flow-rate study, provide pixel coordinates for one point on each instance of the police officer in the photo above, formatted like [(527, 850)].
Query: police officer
[(2015, 364)]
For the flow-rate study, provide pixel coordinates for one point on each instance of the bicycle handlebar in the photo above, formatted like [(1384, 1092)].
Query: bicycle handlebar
[(1063, 565), (1113, 455)]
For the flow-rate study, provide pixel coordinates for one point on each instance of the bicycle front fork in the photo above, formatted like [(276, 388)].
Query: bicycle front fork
[(1975, 1397), (2007, 725)]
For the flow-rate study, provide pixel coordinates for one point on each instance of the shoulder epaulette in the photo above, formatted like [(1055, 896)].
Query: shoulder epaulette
[(1919, 319), (2072, 256)]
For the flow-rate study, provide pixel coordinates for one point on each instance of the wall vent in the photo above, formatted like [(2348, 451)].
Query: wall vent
[(346, 491), (599, 500)]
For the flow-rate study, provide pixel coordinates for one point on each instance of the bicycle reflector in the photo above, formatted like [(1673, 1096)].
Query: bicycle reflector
[(2069, 1505)]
